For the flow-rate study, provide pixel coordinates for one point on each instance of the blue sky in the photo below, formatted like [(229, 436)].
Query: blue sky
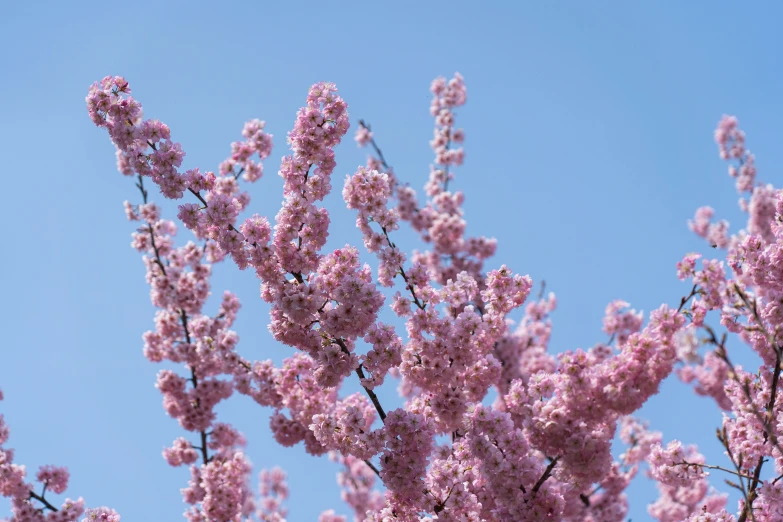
[(589, 145)]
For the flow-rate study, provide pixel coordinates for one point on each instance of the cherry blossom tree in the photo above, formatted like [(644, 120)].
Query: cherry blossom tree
[(540, 451)]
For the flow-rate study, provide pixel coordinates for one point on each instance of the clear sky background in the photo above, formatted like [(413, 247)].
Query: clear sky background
[(589, 146)]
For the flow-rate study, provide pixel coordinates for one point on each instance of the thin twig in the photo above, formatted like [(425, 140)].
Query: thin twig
[(375, 146), (720, 468), (372, 467), (374, 398), (546, 475), (42, 500)]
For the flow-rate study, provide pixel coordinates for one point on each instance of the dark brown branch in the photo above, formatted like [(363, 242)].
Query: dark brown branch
[(372, 467), (360, 373), (42, 500), (408, 284), (416, 301), (547, 473), (719, 468), (371, 394), (684, 300), (204, 450), (541, 292), (375, 146)]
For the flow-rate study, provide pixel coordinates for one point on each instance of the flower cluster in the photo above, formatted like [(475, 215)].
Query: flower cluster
[(220, 490), (621, 324), (440, 222), (29, 506), (274, 491), (356, 481), (144, 148)]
